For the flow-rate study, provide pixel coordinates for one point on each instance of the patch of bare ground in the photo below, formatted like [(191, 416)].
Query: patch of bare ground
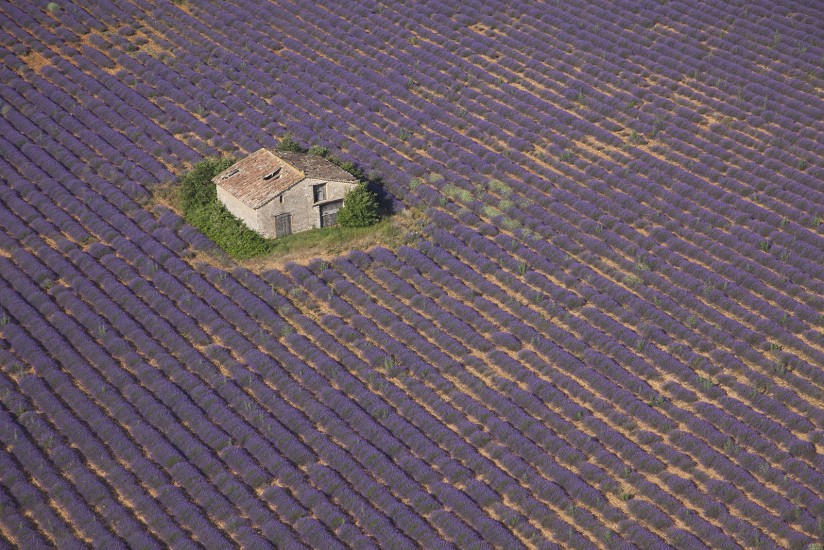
[(35, 60), (185, 7), (148, 44)]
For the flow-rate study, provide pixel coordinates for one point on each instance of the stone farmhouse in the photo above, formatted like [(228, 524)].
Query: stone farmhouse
[(278, 193)]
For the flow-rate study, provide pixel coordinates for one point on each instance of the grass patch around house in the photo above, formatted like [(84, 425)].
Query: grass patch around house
[(329, 242), (195, 196), (201, 208)]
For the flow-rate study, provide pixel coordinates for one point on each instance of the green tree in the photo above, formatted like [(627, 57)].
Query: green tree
[(360, 208)]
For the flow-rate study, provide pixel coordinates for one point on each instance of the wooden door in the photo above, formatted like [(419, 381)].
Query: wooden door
[(329, 213), (283, 224)]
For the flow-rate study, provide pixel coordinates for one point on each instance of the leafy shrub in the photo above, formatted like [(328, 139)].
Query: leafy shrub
[(228, 232), (288, 143), (348, 166), (196, 187), (202, 209), (360, 208), (318, 151)]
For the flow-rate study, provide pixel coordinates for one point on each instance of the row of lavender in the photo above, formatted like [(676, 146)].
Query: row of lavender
[(165, 90), (805, 249), (92, 324), (688, 379), (379, 56), (134, 368)]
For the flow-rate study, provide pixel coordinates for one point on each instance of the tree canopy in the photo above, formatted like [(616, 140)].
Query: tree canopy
[(360, 208)]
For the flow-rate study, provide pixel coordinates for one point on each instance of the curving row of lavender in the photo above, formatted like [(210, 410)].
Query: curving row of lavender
[(609, 335)]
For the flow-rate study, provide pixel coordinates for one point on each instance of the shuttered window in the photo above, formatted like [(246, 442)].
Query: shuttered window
[(319, 191)]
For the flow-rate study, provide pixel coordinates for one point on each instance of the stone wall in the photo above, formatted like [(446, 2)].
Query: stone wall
[(298, 201), (239, 209)]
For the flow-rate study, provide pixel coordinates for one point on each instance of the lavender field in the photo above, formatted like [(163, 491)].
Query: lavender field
[(609, 334)]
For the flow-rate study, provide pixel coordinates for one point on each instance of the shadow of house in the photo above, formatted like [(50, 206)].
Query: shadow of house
[(279, 193)]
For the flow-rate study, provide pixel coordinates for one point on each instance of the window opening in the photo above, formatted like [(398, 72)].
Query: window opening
[(273, 174), (319, 192)]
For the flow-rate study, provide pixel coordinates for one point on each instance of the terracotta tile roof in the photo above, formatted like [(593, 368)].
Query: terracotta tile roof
[(258, 178), (316, 167)]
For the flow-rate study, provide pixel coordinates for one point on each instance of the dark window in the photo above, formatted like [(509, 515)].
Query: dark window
[(329, 213), (283, 224), (319, 192)]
